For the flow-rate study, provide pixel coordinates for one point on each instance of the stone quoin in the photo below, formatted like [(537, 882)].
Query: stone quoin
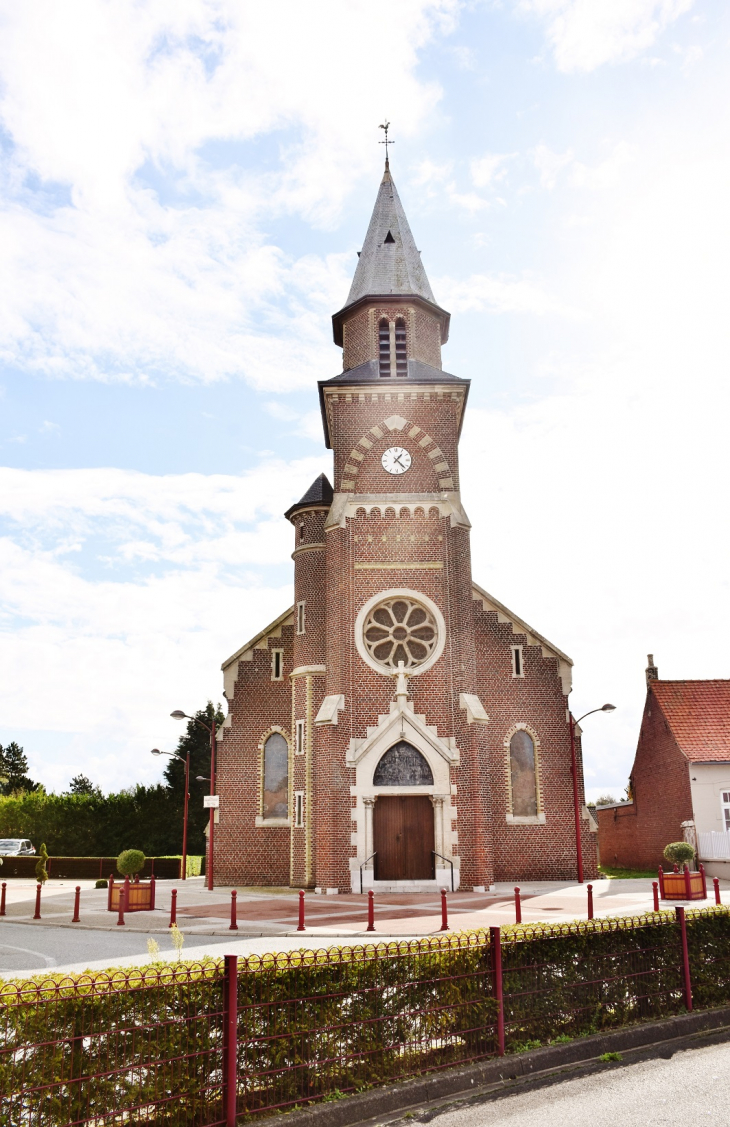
[(397, 719)]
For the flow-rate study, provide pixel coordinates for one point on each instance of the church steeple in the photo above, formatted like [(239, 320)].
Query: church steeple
[(389, 262), (390, 285)]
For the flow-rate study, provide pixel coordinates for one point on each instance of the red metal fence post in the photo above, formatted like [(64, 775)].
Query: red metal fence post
[(173, 908), (715, 881), (77, 904), (661, 881), (590, 901), (152, 892), (518, 907), (234, 918), (444, 911), (37, 915), (371, 911), (704, 882), (2, 897), (110, 889), (655, 890), (230, 1039), (685, 958), (300, 926), (120, 918), (687, 882), (495, 939)]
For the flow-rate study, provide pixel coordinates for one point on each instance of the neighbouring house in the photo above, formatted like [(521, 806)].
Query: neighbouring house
[(680, 780)]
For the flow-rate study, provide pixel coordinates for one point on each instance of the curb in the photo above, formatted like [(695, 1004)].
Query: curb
[(465, 1082)]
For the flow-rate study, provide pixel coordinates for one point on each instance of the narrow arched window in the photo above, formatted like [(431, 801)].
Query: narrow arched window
[(523, 774), (401, 353), (276, 778), (384, 347)]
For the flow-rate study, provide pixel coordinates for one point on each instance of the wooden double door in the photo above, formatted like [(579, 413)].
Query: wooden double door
[(403, 838)]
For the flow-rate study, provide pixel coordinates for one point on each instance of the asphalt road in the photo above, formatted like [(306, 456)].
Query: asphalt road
[(25, 947), (686, 1091)]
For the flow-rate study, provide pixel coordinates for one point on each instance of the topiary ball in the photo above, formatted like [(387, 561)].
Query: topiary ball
[(679, 852), (130, 862), (102, 883)]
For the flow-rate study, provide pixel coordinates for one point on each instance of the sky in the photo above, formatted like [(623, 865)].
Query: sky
[(182, 197)]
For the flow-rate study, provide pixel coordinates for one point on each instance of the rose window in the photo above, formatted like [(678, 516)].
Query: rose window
[(400, 630)]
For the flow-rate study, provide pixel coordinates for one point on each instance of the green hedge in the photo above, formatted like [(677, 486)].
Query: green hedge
[(312, 1025)]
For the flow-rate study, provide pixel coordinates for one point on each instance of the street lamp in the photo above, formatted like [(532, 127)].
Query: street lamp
[(186, 761), (574, 772), (178, 714)]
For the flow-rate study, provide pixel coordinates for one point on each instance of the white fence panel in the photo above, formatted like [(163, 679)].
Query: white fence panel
[(714, 846)]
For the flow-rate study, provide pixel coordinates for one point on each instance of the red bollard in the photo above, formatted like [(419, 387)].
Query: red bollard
[(234, 920), (2, 899), (301, 911), (122, 902), (715, 881), (518, 907), (590, 901), (173, 909), (655, 890), (77, 904), (371, 911), (37, 915), (444, 911)]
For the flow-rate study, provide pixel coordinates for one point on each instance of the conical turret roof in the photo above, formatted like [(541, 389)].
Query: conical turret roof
[(389, 261), (319, 493)]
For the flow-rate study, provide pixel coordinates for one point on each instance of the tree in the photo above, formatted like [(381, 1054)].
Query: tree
[(80, 784), (605, 800), (196, 741), (13, 769)]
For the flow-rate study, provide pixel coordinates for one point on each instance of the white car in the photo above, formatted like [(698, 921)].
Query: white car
[(16, 847)]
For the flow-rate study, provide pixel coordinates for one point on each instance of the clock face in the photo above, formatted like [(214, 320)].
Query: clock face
[(396, 460)]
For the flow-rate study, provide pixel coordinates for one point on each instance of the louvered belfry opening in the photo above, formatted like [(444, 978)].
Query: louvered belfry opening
[(401, 354), (384, 347)]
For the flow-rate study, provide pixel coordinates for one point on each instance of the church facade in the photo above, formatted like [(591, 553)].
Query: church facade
[(397, 728)]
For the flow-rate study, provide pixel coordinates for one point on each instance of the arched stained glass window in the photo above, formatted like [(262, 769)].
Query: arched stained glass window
[(403, 766), (384, 347), (276, 777), (523, 774)]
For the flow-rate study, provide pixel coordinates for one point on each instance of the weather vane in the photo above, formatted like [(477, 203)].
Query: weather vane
[(386, 142)]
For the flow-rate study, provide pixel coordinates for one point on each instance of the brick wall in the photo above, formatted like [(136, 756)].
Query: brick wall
[(360, 334), (634, 836)]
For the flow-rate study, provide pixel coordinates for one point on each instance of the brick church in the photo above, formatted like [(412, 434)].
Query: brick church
[(397, 725)]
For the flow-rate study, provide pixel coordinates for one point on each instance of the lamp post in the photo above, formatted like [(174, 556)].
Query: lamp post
[(574, 772), (178, 714), (186, 761)]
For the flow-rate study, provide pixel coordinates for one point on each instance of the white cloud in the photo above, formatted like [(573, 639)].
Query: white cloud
[(490, 168), (586, 34), (483, 292), (132, 240), (122, 593)]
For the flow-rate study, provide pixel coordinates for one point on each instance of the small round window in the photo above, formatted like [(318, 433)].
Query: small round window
[(400, 629)]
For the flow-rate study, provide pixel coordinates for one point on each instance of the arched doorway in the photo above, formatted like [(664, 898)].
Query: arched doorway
[(403, 824)]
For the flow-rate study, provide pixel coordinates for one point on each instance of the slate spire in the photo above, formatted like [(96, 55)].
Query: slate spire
[(389, 261)]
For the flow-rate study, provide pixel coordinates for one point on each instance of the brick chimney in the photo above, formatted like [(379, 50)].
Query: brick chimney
[(652, 673)]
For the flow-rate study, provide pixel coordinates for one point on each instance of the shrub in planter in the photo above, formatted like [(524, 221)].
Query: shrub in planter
[(679, 852), (41, 872), (130, 862), (102, 883)]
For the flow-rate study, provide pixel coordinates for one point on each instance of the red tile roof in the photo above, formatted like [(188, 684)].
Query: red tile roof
[(698, 713)]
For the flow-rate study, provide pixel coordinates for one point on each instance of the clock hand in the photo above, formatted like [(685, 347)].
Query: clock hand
[(396, 458)]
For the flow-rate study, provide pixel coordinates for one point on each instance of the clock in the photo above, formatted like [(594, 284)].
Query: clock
[(396, 460)]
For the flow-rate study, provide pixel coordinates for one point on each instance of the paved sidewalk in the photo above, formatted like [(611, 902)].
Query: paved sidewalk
[(275, 911)]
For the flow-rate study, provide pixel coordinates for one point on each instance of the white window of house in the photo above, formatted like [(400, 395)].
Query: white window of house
[(277, 665), (301, 617), (518, 666), (301, 732), (299, 808), (726, 810)]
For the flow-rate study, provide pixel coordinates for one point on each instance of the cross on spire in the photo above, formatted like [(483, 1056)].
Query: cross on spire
[(386, 142)]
